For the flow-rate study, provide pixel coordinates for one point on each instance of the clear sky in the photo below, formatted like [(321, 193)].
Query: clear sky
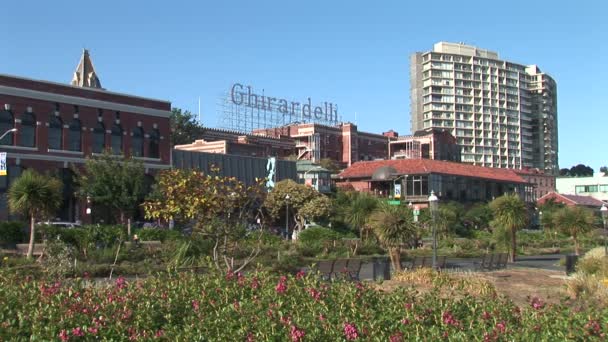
[(353, 53)]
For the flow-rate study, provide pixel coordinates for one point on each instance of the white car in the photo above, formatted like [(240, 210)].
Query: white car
[(62, 224)]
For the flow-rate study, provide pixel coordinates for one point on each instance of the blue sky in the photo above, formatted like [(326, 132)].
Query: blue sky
[(353, 53)]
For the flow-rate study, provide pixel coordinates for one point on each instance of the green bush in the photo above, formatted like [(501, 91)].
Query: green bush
[(314, 235), (58, 261), (12, 232), (156, 234)]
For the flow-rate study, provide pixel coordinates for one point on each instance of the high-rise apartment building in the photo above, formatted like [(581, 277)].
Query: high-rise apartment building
[(503, 114)]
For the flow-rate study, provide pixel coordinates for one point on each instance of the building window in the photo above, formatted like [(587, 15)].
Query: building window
[(7, 122), (99, 138), (75, 135), (604, 188), (55, 133), (28, 130), (153, 144), (116, 139), (581, 189), (137, 142)]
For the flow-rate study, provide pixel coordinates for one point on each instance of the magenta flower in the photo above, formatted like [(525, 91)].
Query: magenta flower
[(195, 305), (121, 283), (77, 332), (255, 283), (316, 295), (321, 317), (449, 319), (350, 331), (281, 286), (63, 335), (536, 303), (486, 315), (159, 333), (398, 337), (405, 321), (296, 334), (301, 274), (501, 326), (93, 331)]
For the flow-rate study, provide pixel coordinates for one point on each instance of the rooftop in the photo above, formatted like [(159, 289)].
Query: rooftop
[(428, 166), (587, 201)]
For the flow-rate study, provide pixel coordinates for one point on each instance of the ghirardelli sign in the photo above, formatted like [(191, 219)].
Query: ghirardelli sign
[(304, 111)]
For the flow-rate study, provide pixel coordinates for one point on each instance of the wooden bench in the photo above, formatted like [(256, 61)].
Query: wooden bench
[(495, 261), (339, 269), (23, 247)]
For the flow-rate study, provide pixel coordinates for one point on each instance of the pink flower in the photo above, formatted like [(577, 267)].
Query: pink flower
[(285, 320), (408, 306), (449, 319), (255, 283), (93, 331), (63, 335), (159, 333), (195, 305), (536, 303), (405, 321), (501, 326), (316, 295), (301, 274), (121, 283), (398, 337), (350, 331), (321, 317), (250, 337), (296, 334), (236, 304), (486, 315), (281, 286), (230, 275), (77, 332)]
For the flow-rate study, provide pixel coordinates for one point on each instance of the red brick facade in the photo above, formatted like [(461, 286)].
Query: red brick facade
[(76, 107), (343, 143)]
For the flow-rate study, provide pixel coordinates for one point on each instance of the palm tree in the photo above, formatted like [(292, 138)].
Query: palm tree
[(394, 226), (510, 212), (357, 211), (573, 221), (35, 196)]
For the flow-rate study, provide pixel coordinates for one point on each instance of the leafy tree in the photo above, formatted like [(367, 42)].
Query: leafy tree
[(393, 226), (511, 214), (548, 210), (604, 169), (220, 208), (118, 184), (184, 128), (318, 208), (446, 221), (579, 170), (35, 196), (299, 198), (357, 211), (573, 221), (330, 165), (478, 216)]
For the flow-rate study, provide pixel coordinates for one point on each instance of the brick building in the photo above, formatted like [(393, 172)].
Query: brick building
[(540, 183), (343, 143), (425, 144), (228, 142), (59, 125), (417, 177)]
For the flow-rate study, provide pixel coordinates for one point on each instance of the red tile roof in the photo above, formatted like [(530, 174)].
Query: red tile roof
[(587, 201), (428, 166)]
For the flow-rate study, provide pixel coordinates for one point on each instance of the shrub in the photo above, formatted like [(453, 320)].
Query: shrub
[(588, 288), (12, 232), (156, 234), (58, 260)]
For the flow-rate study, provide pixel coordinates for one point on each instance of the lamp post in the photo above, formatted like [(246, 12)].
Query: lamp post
[(286, 216), (433, 202), (604, 211), (540, 220), (7, 132)]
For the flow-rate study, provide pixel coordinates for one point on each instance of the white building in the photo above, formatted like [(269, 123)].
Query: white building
[(503, 114), (596, 186)]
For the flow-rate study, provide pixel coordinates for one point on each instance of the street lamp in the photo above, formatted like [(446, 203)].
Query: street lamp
[(433, 203), (7, 132), (604, 212), (287, 216)]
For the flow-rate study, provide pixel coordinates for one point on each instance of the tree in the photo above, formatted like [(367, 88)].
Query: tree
[(573, 221), (299, 198), (220, 208), (184, 128), (479, 216), (36, 196), (393, 226), (318, 208), (330, 165), (511, 214), (116, 183), (579, 170), (357, 211), (604, 169)]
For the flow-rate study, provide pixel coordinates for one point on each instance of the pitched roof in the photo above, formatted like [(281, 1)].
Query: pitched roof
[(428, 166), (587, 201), (85, 75)]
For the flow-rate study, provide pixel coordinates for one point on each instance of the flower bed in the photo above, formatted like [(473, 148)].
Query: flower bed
[(261, 307)]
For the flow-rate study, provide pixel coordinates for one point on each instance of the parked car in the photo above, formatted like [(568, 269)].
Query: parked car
[(62, 224)]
